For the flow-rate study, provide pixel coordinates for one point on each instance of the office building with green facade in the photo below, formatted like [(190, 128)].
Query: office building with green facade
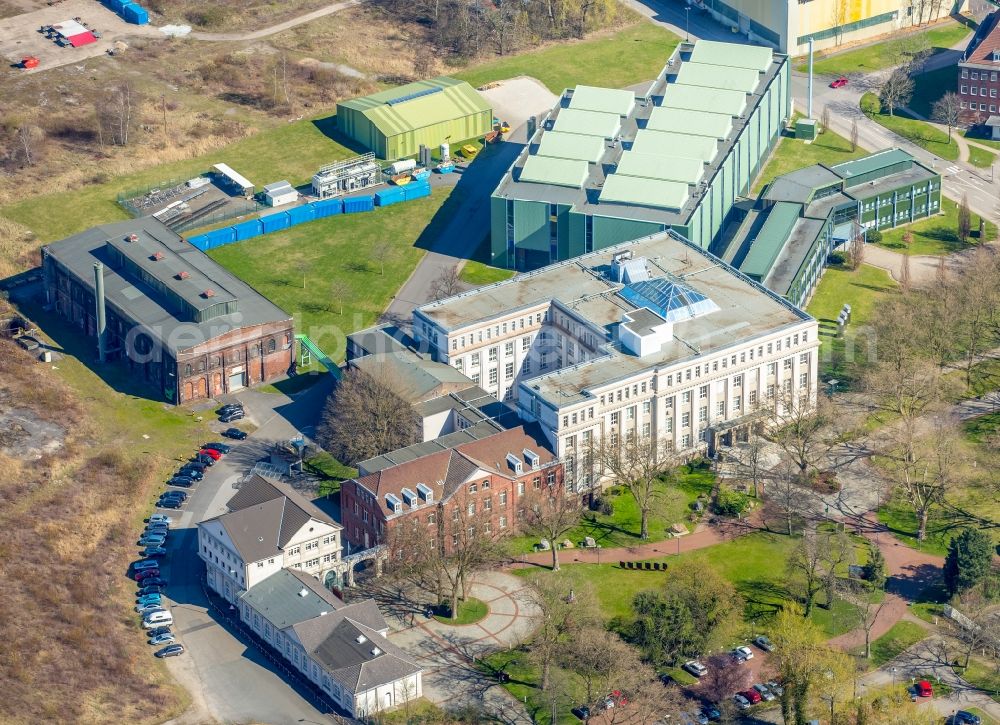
[(395, 123), (785, 239), (607, 166)]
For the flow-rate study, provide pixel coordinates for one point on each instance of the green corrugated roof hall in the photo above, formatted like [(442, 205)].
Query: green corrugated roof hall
[(394, 123)]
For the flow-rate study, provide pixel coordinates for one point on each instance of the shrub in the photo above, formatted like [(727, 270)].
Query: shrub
[(730, 503), (207, 16), (874, 236), (837, 258), (870, 104)]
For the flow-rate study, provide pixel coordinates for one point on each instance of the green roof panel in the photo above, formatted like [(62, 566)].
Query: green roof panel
[(686, 120), (559, 172), (644, 192), (698, 98), (735, 55), (416, 105), (664, 143), (666, 168), (589, 123), (605, 100), (771, 239), (572, 146), (717, 76), (873, 162)]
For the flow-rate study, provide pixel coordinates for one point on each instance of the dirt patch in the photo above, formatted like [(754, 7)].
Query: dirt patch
[(230, 15), (24, 436)]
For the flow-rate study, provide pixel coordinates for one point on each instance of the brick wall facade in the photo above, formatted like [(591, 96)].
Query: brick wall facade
[(979, 91)]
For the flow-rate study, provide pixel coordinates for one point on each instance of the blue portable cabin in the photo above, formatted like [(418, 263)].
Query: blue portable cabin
[(358, 203), (301, 214), (390, 196), (248, 230), (275, 222), (328, 207), (416, 190), (117, 5), (135, 14)]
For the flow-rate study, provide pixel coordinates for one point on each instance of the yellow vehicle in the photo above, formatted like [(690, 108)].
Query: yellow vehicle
[(469, 151), (504, 127)]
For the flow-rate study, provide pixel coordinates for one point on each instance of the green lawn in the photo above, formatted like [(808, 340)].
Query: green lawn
[(635, 54), (755, 564), (983, 675), (331, 472), (936, 234), (470, 611), (337, 249), (621, 528), (901, 636), (293, 151), (791, 154), (860, 288), (478, 274), (524, 686), (920, 133), (886, 54), (927, 611), (981, 157)]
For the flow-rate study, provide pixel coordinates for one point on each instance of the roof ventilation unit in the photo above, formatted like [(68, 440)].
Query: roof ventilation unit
[(361, 639), (303, 592)]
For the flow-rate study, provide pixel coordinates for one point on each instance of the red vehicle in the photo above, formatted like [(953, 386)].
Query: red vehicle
[(839, 83), (752, 695), (211, 453), (924, 689), (146, 574)]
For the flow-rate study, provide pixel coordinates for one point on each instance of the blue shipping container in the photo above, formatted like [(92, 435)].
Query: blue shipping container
[(135, 14), (416, 190), (275, 222), (247, 230), (328, 207), (117, 5), (219, 237), (300, 214), (199, 242), (359, 203), (392, 195)]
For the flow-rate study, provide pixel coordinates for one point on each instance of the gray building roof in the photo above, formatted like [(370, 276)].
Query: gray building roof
[(156, 279), (413, 377), (799, 185), (475, 432), (288, 597)]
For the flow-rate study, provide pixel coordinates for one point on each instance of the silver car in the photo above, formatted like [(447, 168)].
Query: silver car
[(765, 693)]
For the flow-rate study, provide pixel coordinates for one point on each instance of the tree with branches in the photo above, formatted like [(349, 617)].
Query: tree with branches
[(805, 567), (340, 290), (447, 284), (563, 612), (858, 242), (896, 90), (854, 135), (964, 220), (382, 252), (947, 111), (549, 513), (867, 600), (904, 272), (805, 433)]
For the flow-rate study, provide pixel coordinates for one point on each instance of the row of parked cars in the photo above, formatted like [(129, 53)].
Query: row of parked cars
[(761, 692), (156, 618)]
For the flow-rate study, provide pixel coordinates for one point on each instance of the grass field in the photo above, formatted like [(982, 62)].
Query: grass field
[(983, 675), (791, 154), (621, 528), (478, 274), (920, 133), (981, 157), (900, 637), (623, 58), (524, 685), (470, 611), (887, 53), (861, 288), (935, 235), (335, 250)]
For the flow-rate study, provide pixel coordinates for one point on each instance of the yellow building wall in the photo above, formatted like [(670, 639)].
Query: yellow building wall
[(823, 14)]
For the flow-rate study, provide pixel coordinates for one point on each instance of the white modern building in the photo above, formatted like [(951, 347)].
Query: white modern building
[(268, 527), (654, 337), (280, 193)]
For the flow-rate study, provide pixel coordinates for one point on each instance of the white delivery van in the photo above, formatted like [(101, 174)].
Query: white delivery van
[(157, 619)]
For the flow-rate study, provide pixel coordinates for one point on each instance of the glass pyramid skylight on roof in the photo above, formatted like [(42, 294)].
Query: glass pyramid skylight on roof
[(669, 298)]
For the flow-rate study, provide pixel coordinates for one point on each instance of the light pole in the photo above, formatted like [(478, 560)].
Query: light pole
[(894, 678), (687, 24)]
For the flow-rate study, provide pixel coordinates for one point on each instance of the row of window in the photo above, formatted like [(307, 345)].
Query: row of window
[(237, 355), (488, 333), (982, 107), (979, 91), (977, 75)]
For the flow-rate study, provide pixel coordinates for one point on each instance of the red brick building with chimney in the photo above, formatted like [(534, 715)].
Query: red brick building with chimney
[(979, 73), (474, 484)]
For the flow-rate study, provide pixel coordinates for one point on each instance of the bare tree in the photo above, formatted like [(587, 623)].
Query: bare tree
[(805, 565), (825, 118), (549, 513), (838, 16), (382, 252), (603, 663), (895, 90), (751, 458), (635, 462), (979, 627), (303, 266), (447, 284), (784, 493), (837, 551), (723, 678), (340, 290), (964, 220), (854, 135), (804, 432), (946, 111), (904, 272), (867, 605), (115, 112), (857, 243), (563, 612), (364, 417), (29, 139)]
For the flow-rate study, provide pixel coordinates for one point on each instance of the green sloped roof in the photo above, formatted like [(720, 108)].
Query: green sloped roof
[(560, 172), (605, 100), (686, 120), (736, 55), (645, 192), (698, 98), (571, 146), (589, 123), (666, 168), (770, 240), (873, 162), (717, 76), (431, 101), (664, 143)]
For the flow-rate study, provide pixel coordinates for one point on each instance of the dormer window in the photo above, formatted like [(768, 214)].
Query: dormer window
[(409, 498), (996, 55), (532, 458), (425, 492), (393, 502), (515, 463)]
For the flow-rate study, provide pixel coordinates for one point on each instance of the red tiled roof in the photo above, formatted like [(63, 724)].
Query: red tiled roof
[(983, 43)]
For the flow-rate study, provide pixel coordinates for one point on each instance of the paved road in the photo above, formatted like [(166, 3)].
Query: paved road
[(230, 682)]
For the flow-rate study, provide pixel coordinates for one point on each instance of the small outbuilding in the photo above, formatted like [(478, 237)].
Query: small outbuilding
[(395, 123), (280, 193), (231, 180)]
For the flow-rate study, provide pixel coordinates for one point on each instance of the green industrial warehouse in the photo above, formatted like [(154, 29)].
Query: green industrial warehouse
[(784, 241), (608, 166), (395, 123)]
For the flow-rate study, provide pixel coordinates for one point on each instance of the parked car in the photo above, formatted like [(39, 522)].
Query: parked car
[(195, 474), (171, 650), (741, 702), (752, 695), (764, 692), (964, 717), (182, 495), (156, 531), (160, 519), (230, 417), (839, 83), (155, 581), (195, 466), (235, 433), (157, 630), (161, 618), (764, 643), (775, 688), (149, 608), (170, 503), (152, 540), (582, 712), (695, 668), (210, 452), (229, 408), (182, 481), (165, 638), (666, 678), (712, 713), (203, 459), (155, 552), (150, 589), (145, 574), (149, 599), (742, 653), (215, 446), (616, 698), (924, 689)]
